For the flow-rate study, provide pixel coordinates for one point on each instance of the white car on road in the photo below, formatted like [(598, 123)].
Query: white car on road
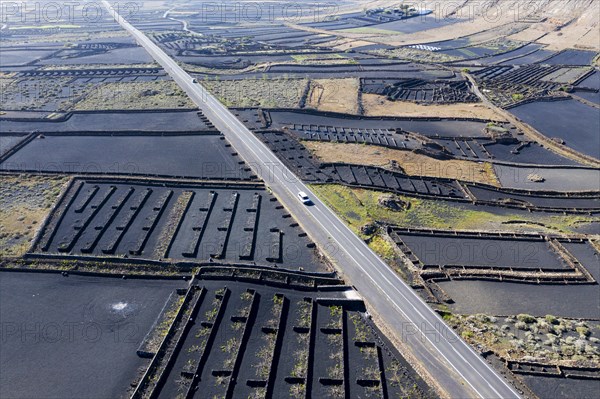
[(304, 198)]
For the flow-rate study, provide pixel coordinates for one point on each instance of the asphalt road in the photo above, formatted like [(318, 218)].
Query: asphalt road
[(457, 369)]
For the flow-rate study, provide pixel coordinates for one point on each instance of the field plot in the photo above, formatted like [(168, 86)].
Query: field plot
[(502, 145), (78, 41), (521, 152), (589, 88), (243, 61), (369, 68), (508, 86), (488, 49), (86, 74), (334, 69), (415, 53), (168, 220), (237, 42), (21, 57), (362, 176), (592, 81), (410, 162), (537, 297), (201, 156), (503, 149), (554, 179), (417, 24), (136, 96), (512, 56), (68, 329), (556, 357), (463, 255), (363, 207), (159, 121), (421, 91), (277, 339), (99, 54), (335, 95), (378, 105), (504, 298), (264, 93), (575, 123), (571, 57), (566, 75), (93, 89), (24, 203), (366, 67), (381, 137), (592, 96), (7, 142), (504, 273), (561, 201), (430, 127), (389, 19), (41, 94), (562, 387), (532, 58)]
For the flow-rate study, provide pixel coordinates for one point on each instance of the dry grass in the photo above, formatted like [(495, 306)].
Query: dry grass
[(407, 53), (549, 340), (334, 95), (376, 105), (264, 93), (25, 201), (135, 96), (412, 163), (21, 94)]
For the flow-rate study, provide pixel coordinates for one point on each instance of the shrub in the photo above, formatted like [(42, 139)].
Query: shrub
[(467, 334), (582, 331), (525, 318), (518, 343), (559, 329), (520, 325), (580, 345), (552, 337)]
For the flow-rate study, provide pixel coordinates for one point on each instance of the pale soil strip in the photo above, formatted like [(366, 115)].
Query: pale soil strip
[(413, 164)]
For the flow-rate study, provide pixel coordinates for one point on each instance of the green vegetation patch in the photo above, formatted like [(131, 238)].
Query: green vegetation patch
[(359, 207)]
